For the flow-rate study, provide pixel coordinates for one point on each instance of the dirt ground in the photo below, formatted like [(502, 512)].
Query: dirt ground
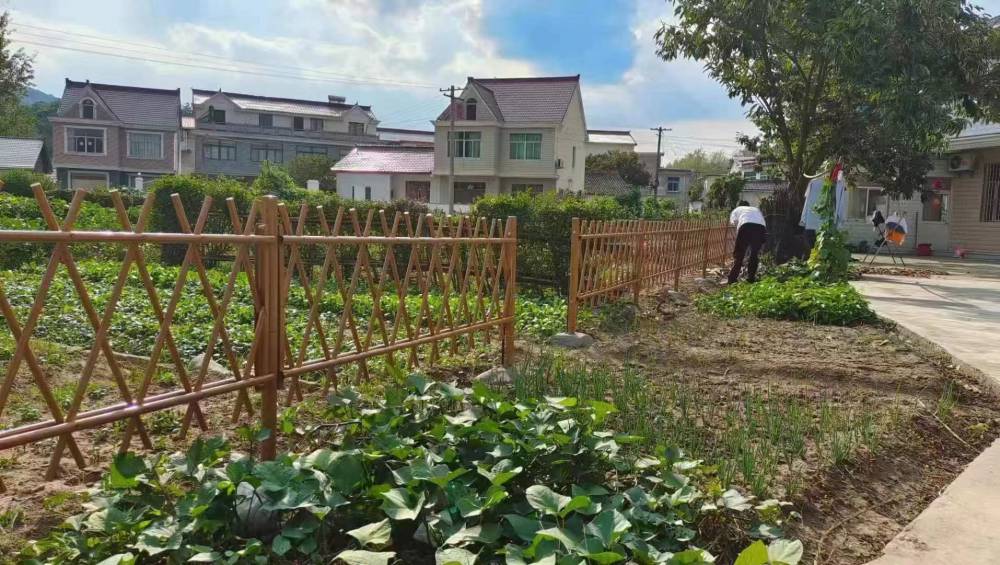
[(849, 511)]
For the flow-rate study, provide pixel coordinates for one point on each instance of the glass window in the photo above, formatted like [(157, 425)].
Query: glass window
[(356, 128), (526, 146), (85, 140), (990, 204), (87, 181), (673, 184), (467, 192), (862, 203), (298, 123), (470, 109), (87, 109), (316, 124), (145, 145), (418, 191), (368, 193), (219, 151), (466, 144), (310, 150), (265, 120), (218, 116), (574, 156), (266, 152)]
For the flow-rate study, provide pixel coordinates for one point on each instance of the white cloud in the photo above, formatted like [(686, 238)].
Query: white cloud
[(432, 43)]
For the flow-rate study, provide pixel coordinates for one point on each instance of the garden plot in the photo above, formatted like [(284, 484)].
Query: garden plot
[(856, 426)]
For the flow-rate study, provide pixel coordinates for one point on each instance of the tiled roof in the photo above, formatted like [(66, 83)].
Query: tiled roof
[(131, 104), (387, 159), (256, 103), (535, 99), (406, 135), (19, 153), (979, 128), (605, 184), (610, 136)]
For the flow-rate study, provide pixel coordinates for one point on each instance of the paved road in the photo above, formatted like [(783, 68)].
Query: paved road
[(961, 313)]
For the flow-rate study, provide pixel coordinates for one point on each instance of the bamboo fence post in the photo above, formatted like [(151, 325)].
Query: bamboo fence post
[(574, 276), (640, 245), (268, 359), (706, 232), (507, 345)]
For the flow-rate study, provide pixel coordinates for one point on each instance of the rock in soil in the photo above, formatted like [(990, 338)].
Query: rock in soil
[(497, 376), (576, 340), (215, 370)]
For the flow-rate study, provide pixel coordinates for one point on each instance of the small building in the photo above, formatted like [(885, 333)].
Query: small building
[(24, 153), (605, 140), (386, 172), (406, 136), (673, 185)]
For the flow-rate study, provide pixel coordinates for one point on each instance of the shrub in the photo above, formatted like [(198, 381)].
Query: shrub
[(18, 182), (275, 180), (431, 473), (799, 298), (313, 167), (22, 213)]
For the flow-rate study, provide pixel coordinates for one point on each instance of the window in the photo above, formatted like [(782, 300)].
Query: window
[(298, 123), (526, 146), (935, 206), (466, 144), (467, 192), (85, 140), (219, 151), (673, 184), (265, 120), (316, 124), (470, 109), (215, 116), (989, 210), (356, 128), (88, 180), (533, 188), (310, 150), (418, 190), (145, 145), (368, 193), (574, 156), (863, 201), (266, 152), (87, 110)]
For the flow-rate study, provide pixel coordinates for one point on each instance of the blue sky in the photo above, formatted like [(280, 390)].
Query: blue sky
[(392, 54)]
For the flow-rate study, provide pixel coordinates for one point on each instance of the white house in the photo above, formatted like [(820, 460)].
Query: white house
[(510, 135), (386, 172), (605, 140)]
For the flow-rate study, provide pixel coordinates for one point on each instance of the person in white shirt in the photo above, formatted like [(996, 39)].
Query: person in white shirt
[(751, 232)]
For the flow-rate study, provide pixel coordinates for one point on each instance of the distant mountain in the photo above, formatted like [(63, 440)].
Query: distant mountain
[(34, 95)]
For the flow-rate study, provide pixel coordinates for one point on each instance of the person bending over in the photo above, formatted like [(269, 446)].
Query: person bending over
[(751, 232)]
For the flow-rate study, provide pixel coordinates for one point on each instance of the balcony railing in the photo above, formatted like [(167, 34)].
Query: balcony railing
[(287, 132)]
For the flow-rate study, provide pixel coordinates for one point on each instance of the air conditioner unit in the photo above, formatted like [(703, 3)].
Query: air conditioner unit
[(961, 162), (559, 163)]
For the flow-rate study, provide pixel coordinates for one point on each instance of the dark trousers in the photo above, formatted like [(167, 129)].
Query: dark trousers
[(750, 236)]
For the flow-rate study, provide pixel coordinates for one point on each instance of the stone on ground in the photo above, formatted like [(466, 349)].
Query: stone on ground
[(214, 369), (497, 376), (576, 340)]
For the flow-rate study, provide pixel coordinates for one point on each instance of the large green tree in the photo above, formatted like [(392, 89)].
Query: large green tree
[(878, 85), (313, 167), (625, 163), (16, 74), (704, 163)]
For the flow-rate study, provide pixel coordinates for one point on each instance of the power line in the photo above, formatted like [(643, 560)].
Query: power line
[(60, 35), (149, 58)]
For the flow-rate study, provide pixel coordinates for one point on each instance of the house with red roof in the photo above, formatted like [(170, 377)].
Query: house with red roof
[(509, 135), (386, 172)]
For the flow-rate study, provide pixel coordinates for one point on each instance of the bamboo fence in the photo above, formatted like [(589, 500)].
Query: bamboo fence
[(467, 265), (612, 258)]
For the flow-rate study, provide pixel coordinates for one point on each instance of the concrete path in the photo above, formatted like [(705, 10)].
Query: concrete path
[(961, 313)]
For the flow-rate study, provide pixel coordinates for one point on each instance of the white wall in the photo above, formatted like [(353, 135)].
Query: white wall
[(352, 185), (572, 134)]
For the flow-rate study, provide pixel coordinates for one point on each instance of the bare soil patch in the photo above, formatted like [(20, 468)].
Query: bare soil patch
[(851, 509)]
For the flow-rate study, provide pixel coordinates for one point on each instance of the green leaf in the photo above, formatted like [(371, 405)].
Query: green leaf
[(755, 554), (125, 468), (400, 504), (575, 503), (692, 557), (454, 556), (524, 528), (359, 557), (605, 557), (544, 499), (785, 552), (281, 545), (569, 540), (486, 533), (119, 559), (608, 526), (159, 538), (733, 500), (376, 533), (205, 557)]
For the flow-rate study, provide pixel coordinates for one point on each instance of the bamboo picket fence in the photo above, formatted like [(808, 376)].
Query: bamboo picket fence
[(612, 258), (468, 263)]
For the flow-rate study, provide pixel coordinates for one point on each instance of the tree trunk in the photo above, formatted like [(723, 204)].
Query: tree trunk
[(785, 238)]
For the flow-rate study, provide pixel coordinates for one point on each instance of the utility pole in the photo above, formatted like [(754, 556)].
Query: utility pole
[(450, 94), (656, 168)]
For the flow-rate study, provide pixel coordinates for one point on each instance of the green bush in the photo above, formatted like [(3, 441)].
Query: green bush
[(18, 182), (799, 298), (433, 473), (22, 213), (313, 167), (276, 181)]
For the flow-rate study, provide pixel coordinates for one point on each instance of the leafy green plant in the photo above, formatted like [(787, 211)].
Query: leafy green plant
[(799, 299), (830, 257), (462, 475)]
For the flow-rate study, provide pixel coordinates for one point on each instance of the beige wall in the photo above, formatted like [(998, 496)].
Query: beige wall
[(572, 134), (527, 167), (486, 164), (967, 232)]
